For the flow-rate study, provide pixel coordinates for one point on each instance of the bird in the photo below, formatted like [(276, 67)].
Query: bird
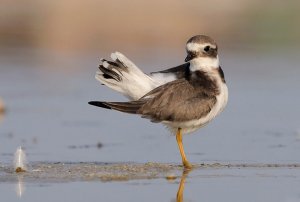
[(183, 98)]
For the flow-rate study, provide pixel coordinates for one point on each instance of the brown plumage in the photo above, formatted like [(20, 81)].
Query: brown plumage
[(193, 97)]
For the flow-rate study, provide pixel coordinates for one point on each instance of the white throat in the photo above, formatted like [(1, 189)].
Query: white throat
[(204, 63)]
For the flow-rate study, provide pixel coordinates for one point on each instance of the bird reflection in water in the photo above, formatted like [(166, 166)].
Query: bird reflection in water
[(179, 196)]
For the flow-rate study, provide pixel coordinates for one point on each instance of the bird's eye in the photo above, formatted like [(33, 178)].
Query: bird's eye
[(206, 48)]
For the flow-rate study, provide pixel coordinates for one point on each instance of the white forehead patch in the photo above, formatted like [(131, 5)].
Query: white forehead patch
[(195, 47)]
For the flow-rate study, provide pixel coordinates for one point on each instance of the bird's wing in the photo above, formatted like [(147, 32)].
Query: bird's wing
[(177, 101), (124, 76), (170, 74)]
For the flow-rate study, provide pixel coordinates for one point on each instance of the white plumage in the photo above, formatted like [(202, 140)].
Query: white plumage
[(134, 83)]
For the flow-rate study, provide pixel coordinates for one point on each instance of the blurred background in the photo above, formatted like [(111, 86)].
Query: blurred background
[(82, 27)]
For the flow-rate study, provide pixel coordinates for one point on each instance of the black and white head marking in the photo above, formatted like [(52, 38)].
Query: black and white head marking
[(202, 52), (201, 46)]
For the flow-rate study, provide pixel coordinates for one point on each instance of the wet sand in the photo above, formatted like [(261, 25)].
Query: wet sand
[(66, 172)]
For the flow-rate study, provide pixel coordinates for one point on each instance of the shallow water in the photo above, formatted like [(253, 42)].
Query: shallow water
[(48, 115), (152, 182)]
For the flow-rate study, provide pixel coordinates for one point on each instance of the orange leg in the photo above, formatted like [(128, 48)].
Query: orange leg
[(185, 162)]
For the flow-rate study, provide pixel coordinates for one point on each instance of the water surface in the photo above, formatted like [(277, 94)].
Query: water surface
[(48, 115)]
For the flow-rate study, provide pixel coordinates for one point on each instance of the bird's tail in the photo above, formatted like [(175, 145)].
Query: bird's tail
[(124, 76)]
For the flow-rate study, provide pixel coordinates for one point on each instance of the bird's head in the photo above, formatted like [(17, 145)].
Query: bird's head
[(203, 49)]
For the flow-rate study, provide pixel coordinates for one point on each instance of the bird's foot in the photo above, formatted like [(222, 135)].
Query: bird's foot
[(187, 165)]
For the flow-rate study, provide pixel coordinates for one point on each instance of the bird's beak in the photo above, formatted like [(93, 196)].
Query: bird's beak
[(188, 57)]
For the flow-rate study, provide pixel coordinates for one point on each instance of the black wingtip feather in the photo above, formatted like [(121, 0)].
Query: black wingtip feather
[(99, 104)]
